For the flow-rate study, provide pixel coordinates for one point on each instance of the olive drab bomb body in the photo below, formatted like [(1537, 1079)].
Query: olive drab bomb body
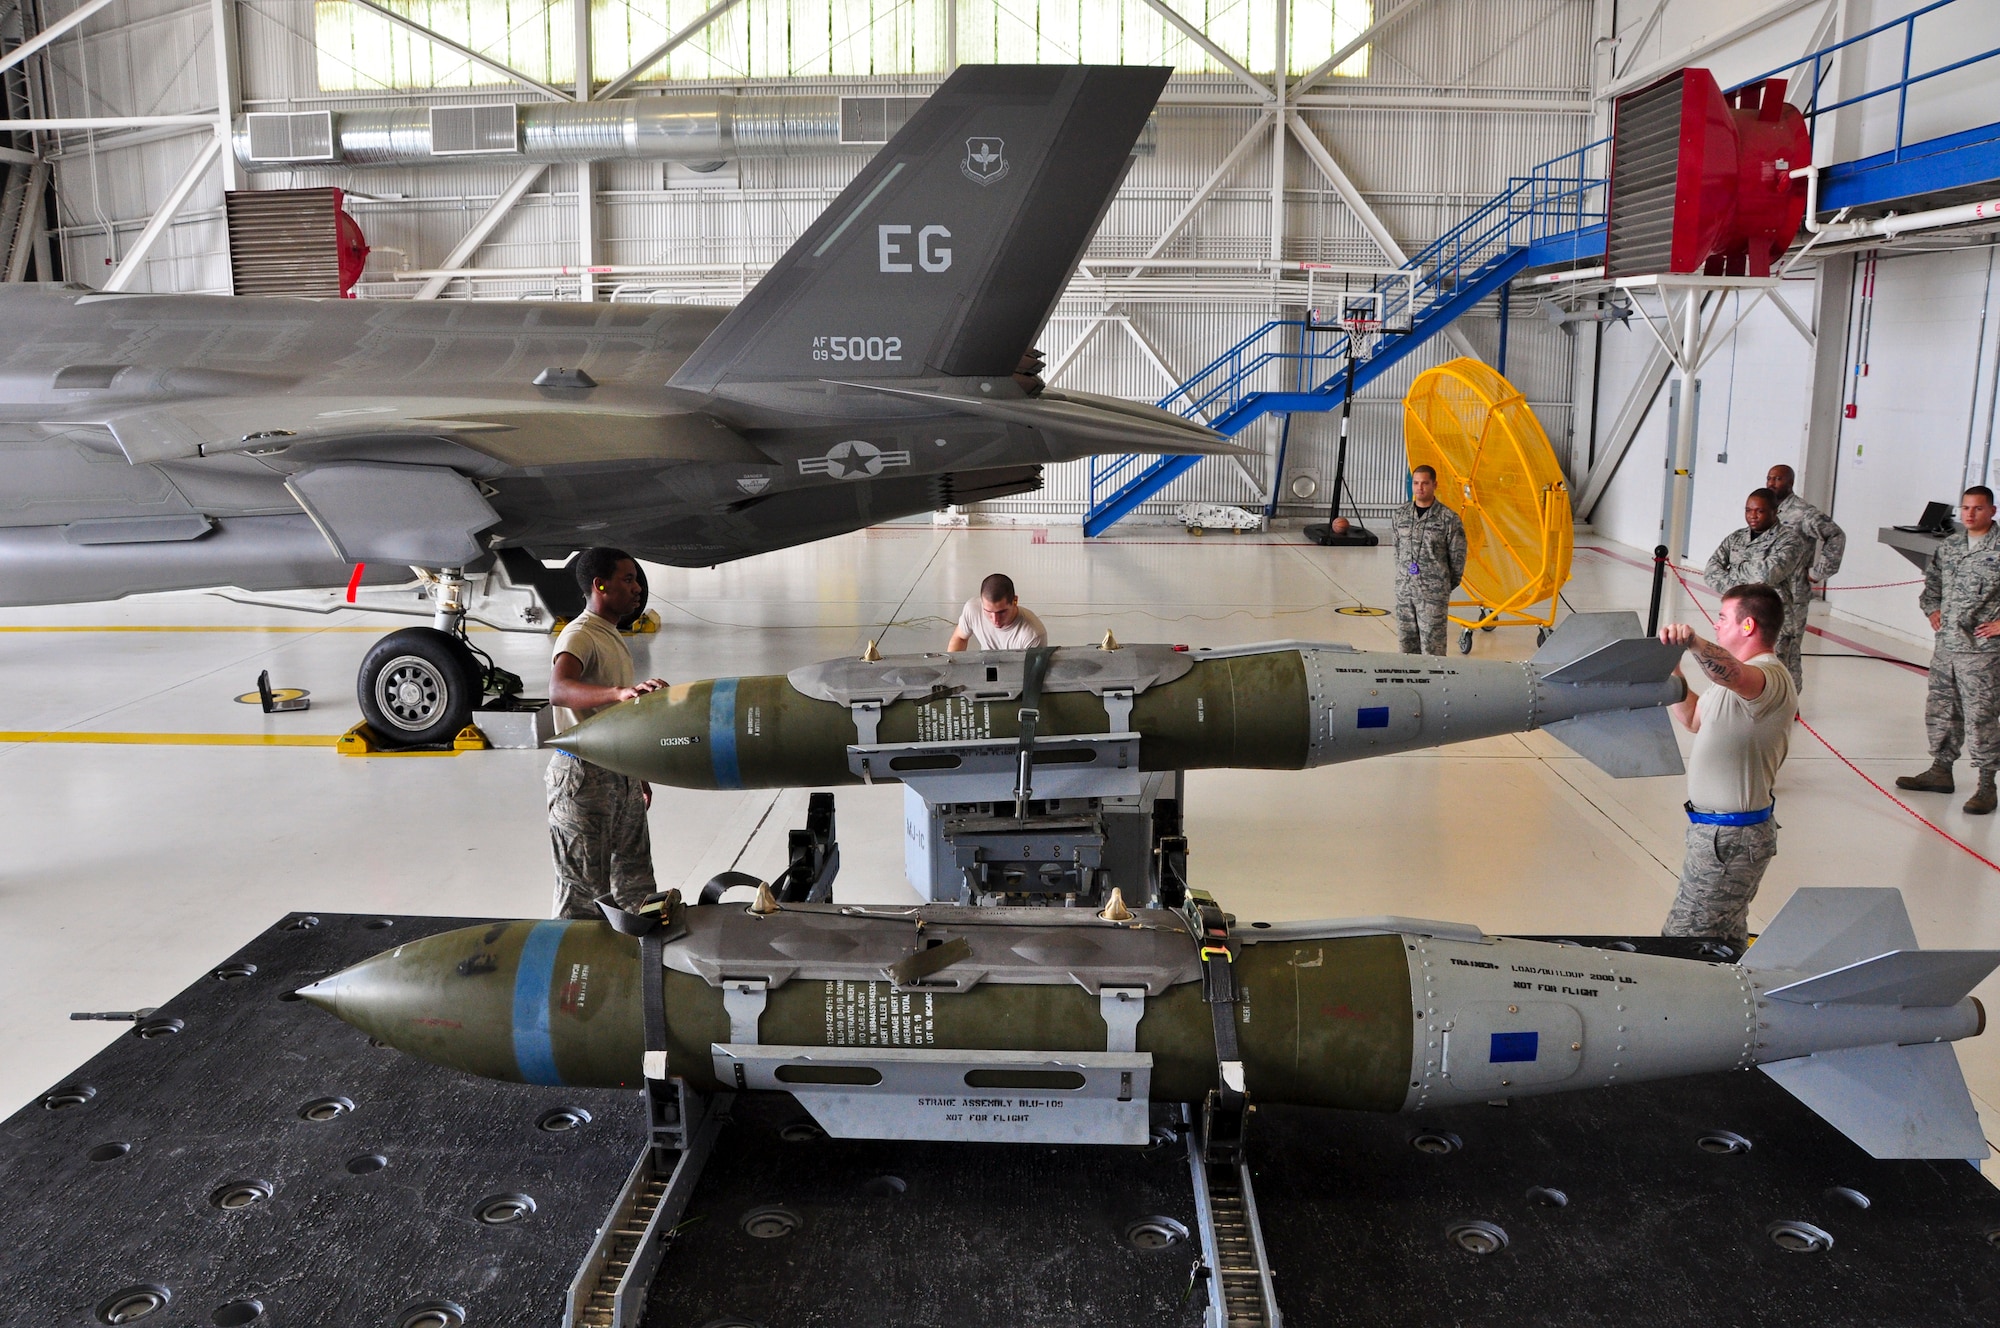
[(941, 1021), (1597, 685)]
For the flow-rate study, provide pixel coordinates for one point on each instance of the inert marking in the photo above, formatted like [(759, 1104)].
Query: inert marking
[(534, 1055), (1515, 1047), (1372, 717)]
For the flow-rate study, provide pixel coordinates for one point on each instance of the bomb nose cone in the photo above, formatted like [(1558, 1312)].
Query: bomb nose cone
[(665, 736), (372, 995), (545, 1002), (325, 994)]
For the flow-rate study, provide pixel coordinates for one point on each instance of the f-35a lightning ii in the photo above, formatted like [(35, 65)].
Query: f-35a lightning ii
[(883, 367)]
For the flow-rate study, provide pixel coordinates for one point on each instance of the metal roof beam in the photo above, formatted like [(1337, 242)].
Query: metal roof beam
[(1210, 185), (135, 257), (1364, 214), (463, 251), (436, 38), (50, 33), (1361, 39), (1216, 53), (666, 48)]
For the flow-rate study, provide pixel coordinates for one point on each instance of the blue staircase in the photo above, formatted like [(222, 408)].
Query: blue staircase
[(1551, 217)]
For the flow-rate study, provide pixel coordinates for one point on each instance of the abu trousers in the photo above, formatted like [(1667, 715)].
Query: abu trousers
[(597, 830), (1422, 626), (1964, 695), (1719, 877)]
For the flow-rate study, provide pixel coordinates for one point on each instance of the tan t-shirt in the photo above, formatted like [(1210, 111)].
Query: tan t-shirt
[(1024, 633), (1741, 744), (595, 642)]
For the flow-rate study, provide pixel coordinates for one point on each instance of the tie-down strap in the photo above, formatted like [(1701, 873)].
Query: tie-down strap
[(1218, 949), (653, 982)]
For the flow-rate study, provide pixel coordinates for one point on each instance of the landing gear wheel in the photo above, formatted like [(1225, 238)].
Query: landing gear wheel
[(1465, 642), (418, 687), (1541, 635), (625, 624)]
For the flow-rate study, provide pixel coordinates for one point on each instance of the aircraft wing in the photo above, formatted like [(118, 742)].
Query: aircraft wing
[(512, 432)]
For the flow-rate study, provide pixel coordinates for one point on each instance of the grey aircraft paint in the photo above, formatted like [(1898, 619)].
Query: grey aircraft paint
[(169, 442)]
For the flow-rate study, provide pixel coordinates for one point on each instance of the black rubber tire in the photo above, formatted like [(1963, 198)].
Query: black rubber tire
[(1541, 636), (418, 687), (645, 593), (1487, 627), (1465, 642)]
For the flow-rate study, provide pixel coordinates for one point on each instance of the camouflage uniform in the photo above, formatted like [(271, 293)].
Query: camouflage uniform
[(1430, 559), (1778, 557), (1719, 877), (1962, 585), (597, 827), (597, 818), (1826, 545)]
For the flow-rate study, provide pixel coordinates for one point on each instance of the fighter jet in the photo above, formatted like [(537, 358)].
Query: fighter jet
[(883, 367)]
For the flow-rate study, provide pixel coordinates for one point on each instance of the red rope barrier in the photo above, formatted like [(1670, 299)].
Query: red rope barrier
[(1921, 818)]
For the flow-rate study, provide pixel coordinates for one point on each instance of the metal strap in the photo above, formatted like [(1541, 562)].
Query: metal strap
[(1035, 669), (867, 722), (652, 1001), (1223, 1111)]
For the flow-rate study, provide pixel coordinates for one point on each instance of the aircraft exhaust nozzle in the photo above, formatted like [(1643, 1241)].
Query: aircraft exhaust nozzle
[(1284, 706), (1429, 1014)]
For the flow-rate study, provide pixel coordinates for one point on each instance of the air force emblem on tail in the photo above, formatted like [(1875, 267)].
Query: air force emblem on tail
[(985, 160)]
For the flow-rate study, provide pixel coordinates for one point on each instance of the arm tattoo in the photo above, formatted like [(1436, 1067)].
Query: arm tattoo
[(1716, 662)]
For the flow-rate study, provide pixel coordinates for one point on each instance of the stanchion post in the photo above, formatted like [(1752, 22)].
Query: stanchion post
[(1659, 584)]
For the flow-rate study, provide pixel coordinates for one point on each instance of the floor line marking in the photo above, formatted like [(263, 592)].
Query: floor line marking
[(171, 739), (1942, 833)]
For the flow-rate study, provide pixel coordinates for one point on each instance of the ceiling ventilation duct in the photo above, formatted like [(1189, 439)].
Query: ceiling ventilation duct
[(685, 129), (699, 131)]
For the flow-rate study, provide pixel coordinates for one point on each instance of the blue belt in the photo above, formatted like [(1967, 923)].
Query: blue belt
[(1730, 818)]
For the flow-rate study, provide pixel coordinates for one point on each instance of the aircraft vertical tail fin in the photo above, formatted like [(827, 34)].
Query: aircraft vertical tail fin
[(947, 253)]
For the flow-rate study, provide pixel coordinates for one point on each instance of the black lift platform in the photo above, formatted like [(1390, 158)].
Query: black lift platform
[(242, 1159)]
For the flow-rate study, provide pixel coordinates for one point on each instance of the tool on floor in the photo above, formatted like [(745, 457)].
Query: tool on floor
[(281, 698)]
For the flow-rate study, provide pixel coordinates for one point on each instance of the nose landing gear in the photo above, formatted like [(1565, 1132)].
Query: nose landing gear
[(418, 687)]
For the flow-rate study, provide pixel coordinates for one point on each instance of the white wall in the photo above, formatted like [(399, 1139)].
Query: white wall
[(1755, 392), (1923, 422)]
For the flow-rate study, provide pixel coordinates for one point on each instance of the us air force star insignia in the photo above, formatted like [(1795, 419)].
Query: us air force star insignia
[(754, 484), (852, 460), (985, 160)]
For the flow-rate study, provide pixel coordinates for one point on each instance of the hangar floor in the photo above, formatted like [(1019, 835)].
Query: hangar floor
[(143, 844)]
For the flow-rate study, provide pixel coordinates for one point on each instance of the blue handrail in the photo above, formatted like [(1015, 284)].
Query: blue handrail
[(1553, 199), (1901, 87), (1557, 200)]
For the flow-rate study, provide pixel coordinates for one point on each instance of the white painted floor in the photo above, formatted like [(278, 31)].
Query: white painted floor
[(129, 870)]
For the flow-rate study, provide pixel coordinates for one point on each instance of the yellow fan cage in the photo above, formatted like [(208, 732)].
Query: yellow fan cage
[(1496, 470)]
